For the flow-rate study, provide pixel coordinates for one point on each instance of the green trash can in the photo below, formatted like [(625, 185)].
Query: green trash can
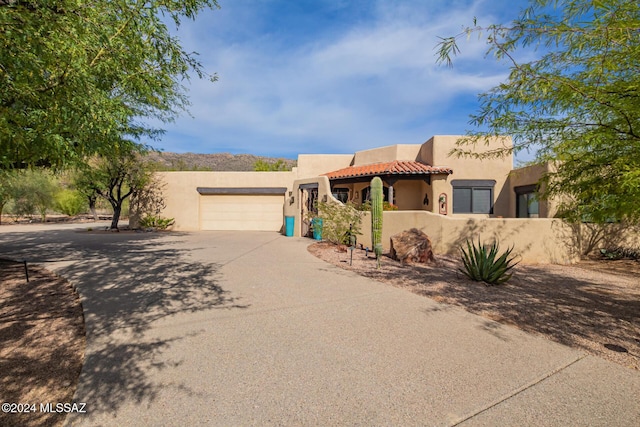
[(316, 224), (289, 223)]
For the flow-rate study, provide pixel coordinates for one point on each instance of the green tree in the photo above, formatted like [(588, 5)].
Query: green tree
[(81, 180), (76, 77), (578, 104), (43, 190), (115, 178), (6, 189), (33, 191)]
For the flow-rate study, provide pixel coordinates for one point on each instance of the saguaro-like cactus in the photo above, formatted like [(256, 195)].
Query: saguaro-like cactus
[(376, 217)]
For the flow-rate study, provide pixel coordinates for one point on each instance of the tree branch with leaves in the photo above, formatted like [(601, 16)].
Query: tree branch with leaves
[(578, 103), (115, 178), (76, 78)]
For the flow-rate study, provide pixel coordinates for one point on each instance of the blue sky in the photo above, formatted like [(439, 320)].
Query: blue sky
[(332, 76)]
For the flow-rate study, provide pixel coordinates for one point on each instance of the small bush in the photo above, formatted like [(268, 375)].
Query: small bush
[(158, 222), (617, 253), (482, 263), (339, 221), (70, 203), (386, 206)]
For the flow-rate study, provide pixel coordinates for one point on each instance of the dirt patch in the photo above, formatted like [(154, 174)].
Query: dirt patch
[(52, 219), (593, 305), (624, 267), (42, 343)]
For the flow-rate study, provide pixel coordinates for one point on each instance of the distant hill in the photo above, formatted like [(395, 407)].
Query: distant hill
[(211, 162)]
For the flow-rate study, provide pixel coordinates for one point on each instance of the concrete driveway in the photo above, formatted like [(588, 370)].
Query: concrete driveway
[(248, 328)]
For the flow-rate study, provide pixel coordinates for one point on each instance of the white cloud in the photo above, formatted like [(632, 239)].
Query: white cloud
[(373, 84)]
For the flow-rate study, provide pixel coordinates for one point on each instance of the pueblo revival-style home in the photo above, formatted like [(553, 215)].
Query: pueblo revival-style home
[(446, 196), (420, 177)]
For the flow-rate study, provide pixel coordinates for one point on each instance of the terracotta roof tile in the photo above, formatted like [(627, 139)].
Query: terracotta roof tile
[(396, 167)]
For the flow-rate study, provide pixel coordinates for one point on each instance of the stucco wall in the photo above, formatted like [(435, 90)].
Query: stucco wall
[(436, 152), (440, 185), (312, 165), (387, 154), (293, 205), (409, 195), (182, 198), (535, 240), (593, 237)]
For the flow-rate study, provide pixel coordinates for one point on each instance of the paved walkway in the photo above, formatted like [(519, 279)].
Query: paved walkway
[(228, 328)]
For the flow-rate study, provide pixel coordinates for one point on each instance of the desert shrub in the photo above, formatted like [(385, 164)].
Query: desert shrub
[(6, 189), (158, 222), (33, 192), (386, 206), (21, 206), (482, 263), (70, 202), (271, 166), (340, 221), (616, 253)]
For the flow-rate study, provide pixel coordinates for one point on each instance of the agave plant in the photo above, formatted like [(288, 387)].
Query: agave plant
[(482, 263)]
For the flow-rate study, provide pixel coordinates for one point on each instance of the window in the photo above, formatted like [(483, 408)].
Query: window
[(341, 194), (527, 205), (473, 196), (366, 194)]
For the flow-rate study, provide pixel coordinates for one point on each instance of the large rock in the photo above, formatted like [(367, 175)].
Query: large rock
[(411, 246)]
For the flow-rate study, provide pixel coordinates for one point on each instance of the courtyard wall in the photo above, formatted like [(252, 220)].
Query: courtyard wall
[(537, 241)]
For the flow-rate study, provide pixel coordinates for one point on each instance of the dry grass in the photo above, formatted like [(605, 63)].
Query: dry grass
[(42, 343), (593, 306)]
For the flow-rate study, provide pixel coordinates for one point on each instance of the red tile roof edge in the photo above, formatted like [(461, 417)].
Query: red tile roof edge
[(396, 167)]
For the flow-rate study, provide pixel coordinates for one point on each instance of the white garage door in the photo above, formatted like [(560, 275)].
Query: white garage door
[(241, 212)]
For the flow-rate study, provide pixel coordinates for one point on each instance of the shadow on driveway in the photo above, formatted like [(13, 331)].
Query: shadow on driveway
[(126, 281)]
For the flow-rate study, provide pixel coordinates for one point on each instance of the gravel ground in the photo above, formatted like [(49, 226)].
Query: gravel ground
[(593, 305), (42, 343)]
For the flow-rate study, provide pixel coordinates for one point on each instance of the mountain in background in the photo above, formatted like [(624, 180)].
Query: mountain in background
[(212, 162)]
